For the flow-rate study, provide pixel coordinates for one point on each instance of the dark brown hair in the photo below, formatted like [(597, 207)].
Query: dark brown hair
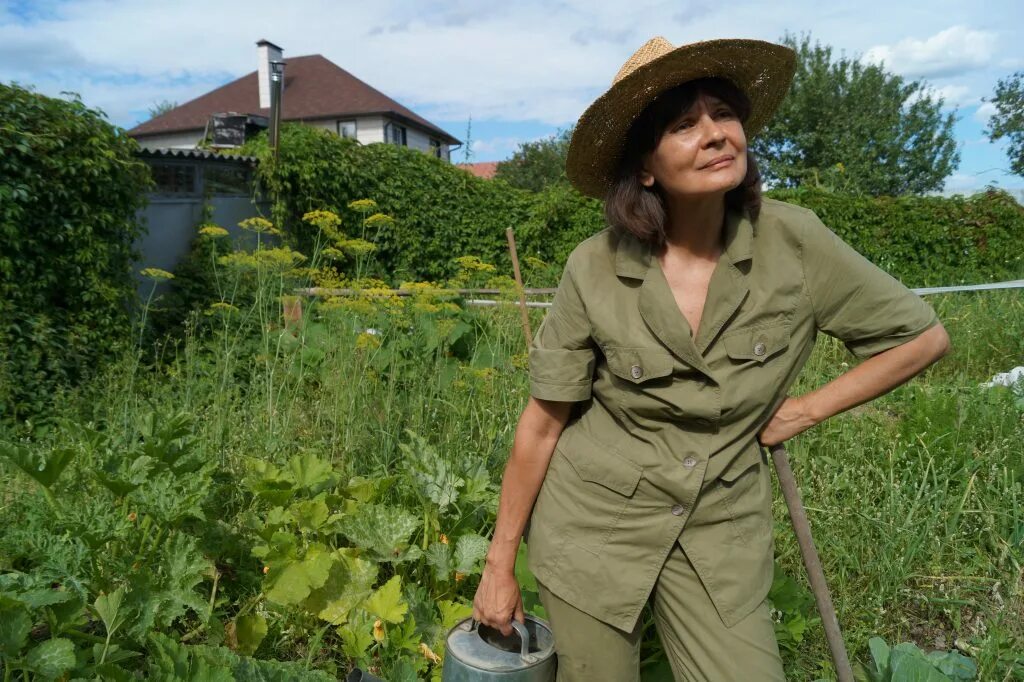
[(628, 204)]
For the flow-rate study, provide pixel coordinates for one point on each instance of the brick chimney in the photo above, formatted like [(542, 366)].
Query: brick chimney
[(268, 52)]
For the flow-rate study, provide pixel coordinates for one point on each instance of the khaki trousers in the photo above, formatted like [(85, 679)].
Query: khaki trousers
[(698, 645)]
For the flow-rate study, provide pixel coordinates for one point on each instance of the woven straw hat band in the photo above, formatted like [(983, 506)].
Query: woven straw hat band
[(648, 52)]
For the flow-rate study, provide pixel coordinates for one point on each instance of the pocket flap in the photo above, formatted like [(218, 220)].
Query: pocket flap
[(756, 344), (638, 365), (600, 464)]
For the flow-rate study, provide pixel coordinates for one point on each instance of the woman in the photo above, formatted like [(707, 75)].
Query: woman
[(663, 366)]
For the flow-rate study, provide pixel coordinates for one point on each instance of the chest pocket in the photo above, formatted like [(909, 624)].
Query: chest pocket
[(639, 365), (757, 345)]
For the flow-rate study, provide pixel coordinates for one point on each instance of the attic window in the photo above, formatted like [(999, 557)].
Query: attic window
[(347, 129)]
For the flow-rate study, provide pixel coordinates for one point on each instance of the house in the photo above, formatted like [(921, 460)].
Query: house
[(481, 169), (316, 92)]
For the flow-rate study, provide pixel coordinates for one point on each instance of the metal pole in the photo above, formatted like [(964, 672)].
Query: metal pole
[(815, 575), (276, 83)]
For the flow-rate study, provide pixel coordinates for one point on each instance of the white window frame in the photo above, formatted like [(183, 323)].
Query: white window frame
[(355, 127)]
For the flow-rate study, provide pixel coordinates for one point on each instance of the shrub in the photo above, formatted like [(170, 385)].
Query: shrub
[(69, 191)]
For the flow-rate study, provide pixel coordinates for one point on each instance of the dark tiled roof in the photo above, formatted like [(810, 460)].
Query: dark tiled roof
[(167, 153), (314, 88), (483, 169)]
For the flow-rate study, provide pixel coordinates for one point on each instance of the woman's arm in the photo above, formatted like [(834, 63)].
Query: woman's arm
[(497, 598), (875, 376)]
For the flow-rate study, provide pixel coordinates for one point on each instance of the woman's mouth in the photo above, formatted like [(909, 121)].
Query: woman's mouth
[(717, 162)]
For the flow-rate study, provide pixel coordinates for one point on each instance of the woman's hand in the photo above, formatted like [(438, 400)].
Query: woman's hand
[(498, 599), (791, 418)]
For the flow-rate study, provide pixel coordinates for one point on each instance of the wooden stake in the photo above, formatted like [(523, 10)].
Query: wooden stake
[(815, 574), (519, 283)]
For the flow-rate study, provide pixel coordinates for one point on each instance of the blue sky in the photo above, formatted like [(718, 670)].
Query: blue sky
[(521, 70)]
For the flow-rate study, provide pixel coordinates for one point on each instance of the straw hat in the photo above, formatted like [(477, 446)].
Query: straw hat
[(760, 69)]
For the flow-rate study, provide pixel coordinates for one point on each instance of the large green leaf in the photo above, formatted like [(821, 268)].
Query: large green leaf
[(52, 658), (910, 665), (439, 557), (470, 549), (311, 473), (108, 608), (292, 580), (15, 624), (382, 530), (954, 664), (386, 603), (44, 469), (248, 632), (349, 583)]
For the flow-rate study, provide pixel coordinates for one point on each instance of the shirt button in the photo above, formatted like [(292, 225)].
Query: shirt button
[(758, 348), (689, 462), (636, 371), (677, 509)]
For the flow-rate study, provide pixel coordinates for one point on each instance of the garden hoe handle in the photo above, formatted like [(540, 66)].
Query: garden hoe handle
[(815, 575)]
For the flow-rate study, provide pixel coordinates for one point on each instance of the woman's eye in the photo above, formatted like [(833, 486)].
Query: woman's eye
[(725, 113)]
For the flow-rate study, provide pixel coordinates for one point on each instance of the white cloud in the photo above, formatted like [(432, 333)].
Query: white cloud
[(533, 60), (985, 112), (955, 50)]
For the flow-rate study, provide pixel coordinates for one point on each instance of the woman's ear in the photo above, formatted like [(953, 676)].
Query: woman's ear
[(646, 179)]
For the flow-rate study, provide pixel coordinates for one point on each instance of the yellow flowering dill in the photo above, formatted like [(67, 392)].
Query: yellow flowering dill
[(279, 258), (473, 264), (332, 253), (356, 247), (449, 307), (534, 263), (424, 307), (445, 327), (521, 361), (213, 231), (367, 341), (156, 274), (257, 224), (325, 220), (363, 204), (239, 260), (221, 306), (369, 283), (379, 220)]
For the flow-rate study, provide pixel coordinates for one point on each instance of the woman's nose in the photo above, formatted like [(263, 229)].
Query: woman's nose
[(713, 132)]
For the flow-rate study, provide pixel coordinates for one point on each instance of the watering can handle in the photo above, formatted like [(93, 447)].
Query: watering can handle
[(524, 634)]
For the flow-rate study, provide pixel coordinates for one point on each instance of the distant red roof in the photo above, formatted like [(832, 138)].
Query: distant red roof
[(314, 88), (484, 169)]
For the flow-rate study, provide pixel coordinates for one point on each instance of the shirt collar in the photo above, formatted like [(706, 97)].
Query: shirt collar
[(633, 257)]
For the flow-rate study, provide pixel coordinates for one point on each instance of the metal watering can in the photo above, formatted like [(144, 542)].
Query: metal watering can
[(477, 653)]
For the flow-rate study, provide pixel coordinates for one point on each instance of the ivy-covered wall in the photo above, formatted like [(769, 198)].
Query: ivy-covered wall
[(442, 212), (69, 190)]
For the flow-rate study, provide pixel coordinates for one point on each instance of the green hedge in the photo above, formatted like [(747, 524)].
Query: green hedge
[(442, 212), (70, 187)]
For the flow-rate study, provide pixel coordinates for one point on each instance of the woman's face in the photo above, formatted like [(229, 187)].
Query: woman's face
[(704, 151)]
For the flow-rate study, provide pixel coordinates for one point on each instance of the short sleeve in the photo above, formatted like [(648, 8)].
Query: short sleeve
[(562, 354), (856, 301)]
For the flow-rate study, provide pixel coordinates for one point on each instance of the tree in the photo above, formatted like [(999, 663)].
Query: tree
[(161, 108), (1008, 121), (538, 164), (856, 127)]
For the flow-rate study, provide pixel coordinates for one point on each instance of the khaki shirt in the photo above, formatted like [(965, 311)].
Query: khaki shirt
[(662, 445)]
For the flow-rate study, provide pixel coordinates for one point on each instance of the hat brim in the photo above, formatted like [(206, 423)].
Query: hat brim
[(760, 69)]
